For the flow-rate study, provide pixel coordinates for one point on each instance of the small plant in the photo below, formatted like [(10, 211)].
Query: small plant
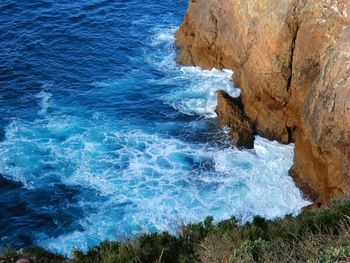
[(333, 255), (8, 255)]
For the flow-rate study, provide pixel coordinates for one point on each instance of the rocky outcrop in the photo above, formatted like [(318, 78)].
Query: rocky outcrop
[(291, 59), (230, 114)]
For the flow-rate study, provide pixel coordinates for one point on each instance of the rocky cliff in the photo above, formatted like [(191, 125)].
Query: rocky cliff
[(291, 60)]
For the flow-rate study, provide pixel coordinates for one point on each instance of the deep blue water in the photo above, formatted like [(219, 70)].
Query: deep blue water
[(104, 136)]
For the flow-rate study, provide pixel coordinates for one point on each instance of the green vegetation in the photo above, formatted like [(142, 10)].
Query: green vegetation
[(316, 236), (30, 254)]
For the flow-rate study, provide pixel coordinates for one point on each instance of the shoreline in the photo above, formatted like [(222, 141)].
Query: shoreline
[(290, 60)]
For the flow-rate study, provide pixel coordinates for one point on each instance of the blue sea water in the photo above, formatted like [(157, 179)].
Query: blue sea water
[(104, 136)]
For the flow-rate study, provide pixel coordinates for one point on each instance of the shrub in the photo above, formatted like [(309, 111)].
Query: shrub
[(317, 236)]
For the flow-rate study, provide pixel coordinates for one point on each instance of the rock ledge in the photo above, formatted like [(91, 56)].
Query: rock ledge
[(230, 114)]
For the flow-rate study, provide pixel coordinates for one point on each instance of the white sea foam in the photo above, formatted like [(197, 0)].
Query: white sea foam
[(44, 98), (150, 181), (164, 36), (196, 95), (163, 181)]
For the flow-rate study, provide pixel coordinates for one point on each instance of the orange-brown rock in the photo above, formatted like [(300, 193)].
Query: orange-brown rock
[(291, 59), (231, 115)]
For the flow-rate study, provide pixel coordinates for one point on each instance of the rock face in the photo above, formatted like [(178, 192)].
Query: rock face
[(291, 59), (230, 114)]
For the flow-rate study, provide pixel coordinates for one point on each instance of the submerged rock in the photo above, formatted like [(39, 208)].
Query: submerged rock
[(230, 114), (291, 60)]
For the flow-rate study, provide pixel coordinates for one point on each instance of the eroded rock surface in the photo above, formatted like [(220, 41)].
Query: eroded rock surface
[(291, 59), (230, 114)]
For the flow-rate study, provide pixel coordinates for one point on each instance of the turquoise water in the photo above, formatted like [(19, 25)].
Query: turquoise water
[(104, 136)]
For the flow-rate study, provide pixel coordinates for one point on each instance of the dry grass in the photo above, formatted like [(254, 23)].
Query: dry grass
[(312, 248)]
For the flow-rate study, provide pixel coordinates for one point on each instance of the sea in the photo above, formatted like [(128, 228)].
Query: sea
[(104, 136)]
